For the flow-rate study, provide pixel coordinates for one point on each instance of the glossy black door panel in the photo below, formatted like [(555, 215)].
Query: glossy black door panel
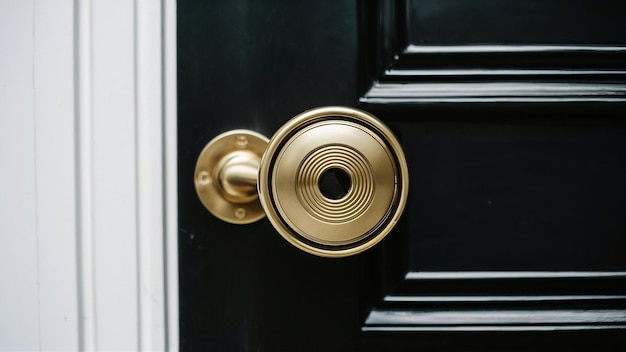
[(519, 197), (515, 22), (511, 118)]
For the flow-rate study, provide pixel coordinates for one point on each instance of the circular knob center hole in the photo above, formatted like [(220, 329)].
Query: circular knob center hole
[(335, 183)]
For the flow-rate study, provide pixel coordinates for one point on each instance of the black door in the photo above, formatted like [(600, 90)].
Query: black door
[(511, 117)]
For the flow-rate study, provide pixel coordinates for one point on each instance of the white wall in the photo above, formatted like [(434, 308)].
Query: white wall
[(87, 215)]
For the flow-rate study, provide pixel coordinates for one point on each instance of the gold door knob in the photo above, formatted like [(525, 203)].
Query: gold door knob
[(333, 181)]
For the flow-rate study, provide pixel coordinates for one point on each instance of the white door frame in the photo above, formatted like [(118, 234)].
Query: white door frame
[(88, 210)]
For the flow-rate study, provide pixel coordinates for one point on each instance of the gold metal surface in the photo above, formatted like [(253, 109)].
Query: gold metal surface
[(324, 139), (226, 176)]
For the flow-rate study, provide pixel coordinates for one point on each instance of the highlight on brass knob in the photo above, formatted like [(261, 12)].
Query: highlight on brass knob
[(333, 181)]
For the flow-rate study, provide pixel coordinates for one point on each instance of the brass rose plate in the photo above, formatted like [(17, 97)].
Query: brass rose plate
[(333, 181), (226, 176)]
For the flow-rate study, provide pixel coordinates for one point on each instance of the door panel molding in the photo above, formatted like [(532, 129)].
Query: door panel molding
[(461, 302), (494, 320), (520, 301), (495, 92), (398, 71)]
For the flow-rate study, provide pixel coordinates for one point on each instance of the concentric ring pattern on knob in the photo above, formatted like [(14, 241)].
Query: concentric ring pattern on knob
[(338, 139), (347, 208)]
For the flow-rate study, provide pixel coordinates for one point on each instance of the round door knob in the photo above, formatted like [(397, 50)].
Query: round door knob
[(333, 181)]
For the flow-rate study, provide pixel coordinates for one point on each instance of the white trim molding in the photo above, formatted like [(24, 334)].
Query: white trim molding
[(170, 119), (88, 209), (124, 175)]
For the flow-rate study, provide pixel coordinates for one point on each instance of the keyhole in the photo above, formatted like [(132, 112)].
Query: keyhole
[(335, 183)]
